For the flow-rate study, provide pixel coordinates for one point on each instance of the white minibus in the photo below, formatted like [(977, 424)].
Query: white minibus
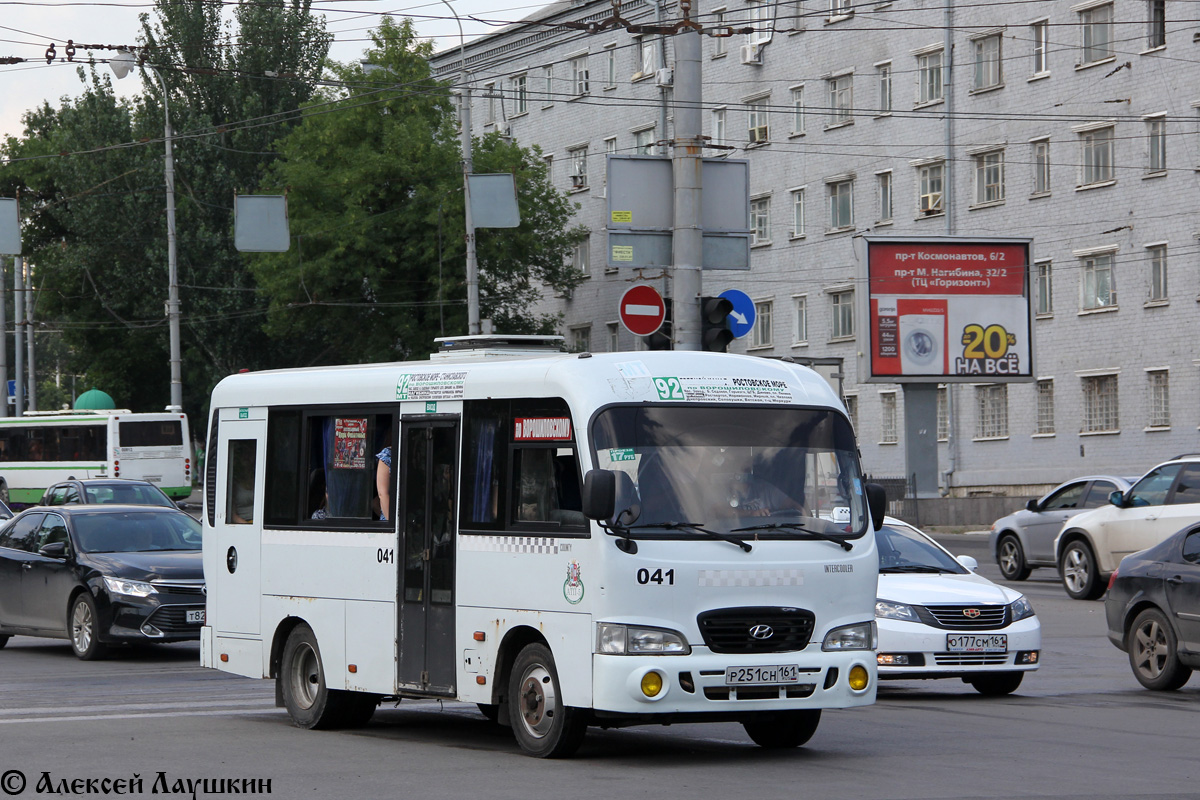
[(566, 540)]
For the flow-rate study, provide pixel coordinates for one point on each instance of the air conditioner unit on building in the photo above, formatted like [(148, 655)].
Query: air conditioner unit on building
[(751, 54), (758, 135), (578, 181), (931, 204), (664, 76)]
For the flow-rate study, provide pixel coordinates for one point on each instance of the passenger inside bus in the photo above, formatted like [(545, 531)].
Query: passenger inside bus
[(318, 495)]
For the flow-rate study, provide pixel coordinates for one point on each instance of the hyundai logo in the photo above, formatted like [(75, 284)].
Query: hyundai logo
[(971, 612), (762, 632)]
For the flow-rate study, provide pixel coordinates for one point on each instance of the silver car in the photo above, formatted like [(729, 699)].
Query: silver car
[(1025, 540)]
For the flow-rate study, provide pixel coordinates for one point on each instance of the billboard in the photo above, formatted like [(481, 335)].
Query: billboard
[(948, 310)]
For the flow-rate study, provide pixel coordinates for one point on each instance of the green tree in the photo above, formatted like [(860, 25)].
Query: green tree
[(377, 267)]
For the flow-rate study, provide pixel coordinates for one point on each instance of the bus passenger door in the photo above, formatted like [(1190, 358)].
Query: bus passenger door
[(428, 501), (238, 521)]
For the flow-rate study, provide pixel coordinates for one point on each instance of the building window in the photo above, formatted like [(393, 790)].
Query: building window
[(610, 66), (579, 171), (1041, 167), (760, 221), (987, 63), (1100, 411), (614, 337), (548, 85), (643, 142), (929, 77), (797, 213), (646, 62), (1160, 398), (843, 314), (1156, 132), (1158, 272), (760, 22), (1045, 289), (1098, 291), (1097, 33), (841, 205), (885, 196), (800, 331), (852, 410), (581, 257), (1045, 406), (762, 333), (579, 75), (992, 404), (929, 189), (718, 126), (520, 90), (719, 42), (1040, 33), (758, 127), (943, 414), (1157, 27), (883, 75), (797, 110), (1097, 155), (841, 99), (489, 91), (989, 177), (581, 339), (887, 418)]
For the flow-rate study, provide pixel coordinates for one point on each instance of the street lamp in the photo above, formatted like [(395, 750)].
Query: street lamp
[(122, 64)]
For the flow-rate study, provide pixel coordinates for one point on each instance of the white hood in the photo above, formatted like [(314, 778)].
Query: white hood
[(932, 589)]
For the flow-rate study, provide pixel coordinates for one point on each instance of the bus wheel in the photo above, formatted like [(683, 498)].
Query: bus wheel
[(785, 729), (309, 702), (544, 727)]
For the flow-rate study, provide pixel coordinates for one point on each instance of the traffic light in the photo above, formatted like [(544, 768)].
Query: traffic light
[(714, 323), (663, 338)]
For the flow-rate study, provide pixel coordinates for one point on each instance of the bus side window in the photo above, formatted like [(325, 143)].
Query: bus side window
[(240, 491), (546, 486)]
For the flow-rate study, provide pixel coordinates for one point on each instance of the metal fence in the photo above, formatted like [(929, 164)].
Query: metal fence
[(901, 496)]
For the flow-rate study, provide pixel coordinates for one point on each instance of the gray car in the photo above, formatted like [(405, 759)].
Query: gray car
[(1025, 540)]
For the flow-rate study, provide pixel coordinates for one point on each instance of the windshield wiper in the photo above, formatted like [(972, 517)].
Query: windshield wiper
[(916, 568), (791, 526), (695, 526)]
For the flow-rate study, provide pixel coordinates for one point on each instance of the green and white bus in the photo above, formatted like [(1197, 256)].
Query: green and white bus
[(43, 448)]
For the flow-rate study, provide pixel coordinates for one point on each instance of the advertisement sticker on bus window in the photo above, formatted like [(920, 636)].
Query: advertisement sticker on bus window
[(724, 390), (350, 443), (541, 429), (431, 385), (622, 454)]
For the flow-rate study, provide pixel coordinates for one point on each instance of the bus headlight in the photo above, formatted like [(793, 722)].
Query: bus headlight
[(630, 640), (129, 588), (859, 636)]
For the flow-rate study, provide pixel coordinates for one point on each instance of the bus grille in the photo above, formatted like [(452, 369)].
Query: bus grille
[(964, 618), (756, 629)]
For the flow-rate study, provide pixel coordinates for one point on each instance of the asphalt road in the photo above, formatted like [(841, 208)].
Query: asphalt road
[(1080, 727)]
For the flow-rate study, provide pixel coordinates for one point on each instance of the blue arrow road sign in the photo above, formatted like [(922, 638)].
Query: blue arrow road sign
[(741, 319)]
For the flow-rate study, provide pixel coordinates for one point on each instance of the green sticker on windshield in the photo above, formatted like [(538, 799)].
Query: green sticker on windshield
[(621, 454)]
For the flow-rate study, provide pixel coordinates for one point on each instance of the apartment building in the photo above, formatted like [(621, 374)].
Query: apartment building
[(1074, 124)]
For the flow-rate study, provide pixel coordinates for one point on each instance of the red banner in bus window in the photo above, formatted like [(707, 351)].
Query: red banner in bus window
[(350, 443), (541, 429)]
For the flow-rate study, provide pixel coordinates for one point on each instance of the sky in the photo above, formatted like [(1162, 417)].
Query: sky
[(27, 27)]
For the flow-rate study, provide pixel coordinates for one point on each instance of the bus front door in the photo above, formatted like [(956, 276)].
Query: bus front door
[(427, 513), (237, 523)]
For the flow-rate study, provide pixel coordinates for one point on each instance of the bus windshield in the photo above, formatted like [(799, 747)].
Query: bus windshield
[(759, 472)]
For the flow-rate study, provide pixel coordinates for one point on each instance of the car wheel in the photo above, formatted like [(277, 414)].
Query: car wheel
[(543, 725), (309, 702), (1153, 653), (996, 684), (1011, 558), (83, 627), (1079, 573), (782, 730)]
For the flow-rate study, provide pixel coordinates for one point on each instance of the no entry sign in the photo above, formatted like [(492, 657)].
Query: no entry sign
[(642, 310)]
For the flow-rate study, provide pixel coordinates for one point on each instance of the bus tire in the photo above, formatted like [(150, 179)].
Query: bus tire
[(307, 697), (543, 725), (784, 729)]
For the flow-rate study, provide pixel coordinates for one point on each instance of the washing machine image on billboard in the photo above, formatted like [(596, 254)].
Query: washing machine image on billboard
[(923, 344)]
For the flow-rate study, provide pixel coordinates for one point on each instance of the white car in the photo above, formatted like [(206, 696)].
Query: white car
[(1091, 545), (938, 619)]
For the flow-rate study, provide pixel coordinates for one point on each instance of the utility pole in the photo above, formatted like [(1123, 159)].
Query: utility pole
[(18, 335), (687, 163), (31, 385), (4, 344)]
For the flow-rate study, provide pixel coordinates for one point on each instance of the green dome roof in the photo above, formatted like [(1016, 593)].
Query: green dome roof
[(94, 400)]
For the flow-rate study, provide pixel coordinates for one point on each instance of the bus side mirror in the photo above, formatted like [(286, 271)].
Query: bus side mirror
[(876, 504), (599, 494)]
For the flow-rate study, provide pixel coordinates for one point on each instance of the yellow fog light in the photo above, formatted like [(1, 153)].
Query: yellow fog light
[(859, 677), (652, 684)]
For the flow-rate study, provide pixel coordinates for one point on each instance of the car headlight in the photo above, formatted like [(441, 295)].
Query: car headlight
[(886, 609), (635, 640), (859, 636), (130, 588), (1021, 609)]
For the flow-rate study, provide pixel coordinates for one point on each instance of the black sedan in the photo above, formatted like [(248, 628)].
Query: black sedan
[(99, 575), (1153, 610)]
